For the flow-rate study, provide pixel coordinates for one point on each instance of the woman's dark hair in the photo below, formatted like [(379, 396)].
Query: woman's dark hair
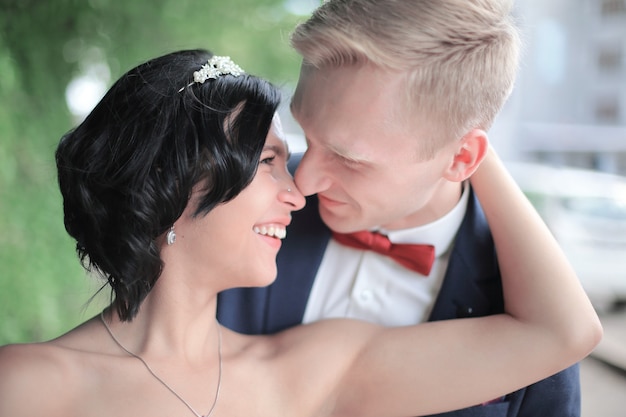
[(127, 171)]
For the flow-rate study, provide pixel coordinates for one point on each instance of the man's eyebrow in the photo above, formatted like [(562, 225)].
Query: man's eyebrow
[(349, 156)]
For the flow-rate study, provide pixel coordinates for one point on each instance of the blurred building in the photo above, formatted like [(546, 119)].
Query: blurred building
[(569, 106)]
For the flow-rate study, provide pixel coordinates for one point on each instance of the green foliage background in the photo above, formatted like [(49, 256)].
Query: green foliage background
[(44, 44)]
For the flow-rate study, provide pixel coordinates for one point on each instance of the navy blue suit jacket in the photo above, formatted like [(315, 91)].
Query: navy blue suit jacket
[(471, 288)]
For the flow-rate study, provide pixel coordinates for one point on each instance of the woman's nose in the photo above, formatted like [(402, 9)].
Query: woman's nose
[(292, 196)]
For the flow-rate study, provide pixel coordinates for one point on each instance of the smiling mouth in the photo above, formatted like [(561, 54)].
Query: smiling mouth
[(277, 232)]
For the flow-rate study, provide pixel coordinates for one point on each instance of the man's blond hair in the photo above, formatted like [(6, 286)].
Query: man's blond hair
[(460, 57)]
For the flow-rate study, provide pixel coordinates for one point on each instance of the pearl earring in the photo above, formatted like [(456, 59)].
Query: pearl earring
[(171, 236)]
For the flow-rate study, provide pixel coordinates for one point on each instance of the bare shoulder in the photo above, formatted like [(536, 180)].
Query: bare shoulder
[(343, 335), (346, 333), (52, 372), (24, 361), (27, 371), (288, 361)]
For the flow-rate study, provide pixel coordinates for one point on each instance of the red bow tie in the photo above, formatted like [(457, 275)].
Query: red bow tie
[(418, 258)]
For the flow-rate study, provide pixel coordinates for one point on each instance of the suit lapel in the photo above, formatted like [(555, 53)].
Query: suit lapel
[(472, 285)]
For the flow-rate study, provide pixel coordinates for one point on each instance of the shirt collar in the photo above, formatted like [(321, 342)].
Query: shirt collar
[(440, 233)]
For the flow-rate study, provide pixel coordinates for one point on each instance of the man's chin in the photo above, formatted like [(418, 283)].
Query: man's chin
[(339, 224)]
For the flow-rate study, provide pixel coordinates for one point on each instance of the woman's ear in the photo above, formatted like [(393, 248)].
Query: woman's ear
[(469, 153)]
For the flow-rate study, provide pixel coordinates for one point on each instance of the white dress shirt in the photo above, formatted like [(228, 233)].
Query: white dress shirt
[(363, 284)]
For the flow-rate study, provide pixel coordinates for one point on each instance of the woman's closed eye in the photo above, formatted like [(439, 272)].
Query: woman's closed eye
[(268, 160)]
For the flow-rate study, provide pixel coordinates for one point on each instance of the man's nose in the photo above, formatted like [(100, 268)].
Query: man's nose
[(311, 175)]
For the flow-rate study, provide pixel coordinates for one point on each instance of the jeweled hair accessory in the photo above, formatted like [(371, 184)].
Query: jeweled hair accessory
[(215, 68)]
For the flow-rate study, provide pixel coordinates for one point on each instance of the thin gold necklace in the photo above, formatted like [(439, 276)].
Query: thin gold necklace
[(134, 355)]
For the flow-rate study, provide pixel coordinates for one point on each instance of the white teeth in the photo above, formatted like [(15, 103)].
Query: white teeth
[(274, 231)]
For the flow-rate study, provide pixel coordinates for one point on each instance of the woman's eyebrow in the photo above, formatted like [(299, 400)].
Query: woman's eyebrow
[(279, 150)]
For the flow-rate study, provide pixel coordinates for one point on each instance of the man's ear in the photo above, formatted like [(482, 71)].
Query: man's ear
[(469, 153)]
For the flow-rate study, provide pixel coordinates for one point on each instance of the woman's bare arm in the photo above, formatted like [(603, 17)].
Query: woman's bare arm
[(433, 367)]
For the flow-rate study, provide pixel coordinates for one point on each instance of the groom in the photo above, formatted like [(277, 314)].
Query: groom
[(395, 99)]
